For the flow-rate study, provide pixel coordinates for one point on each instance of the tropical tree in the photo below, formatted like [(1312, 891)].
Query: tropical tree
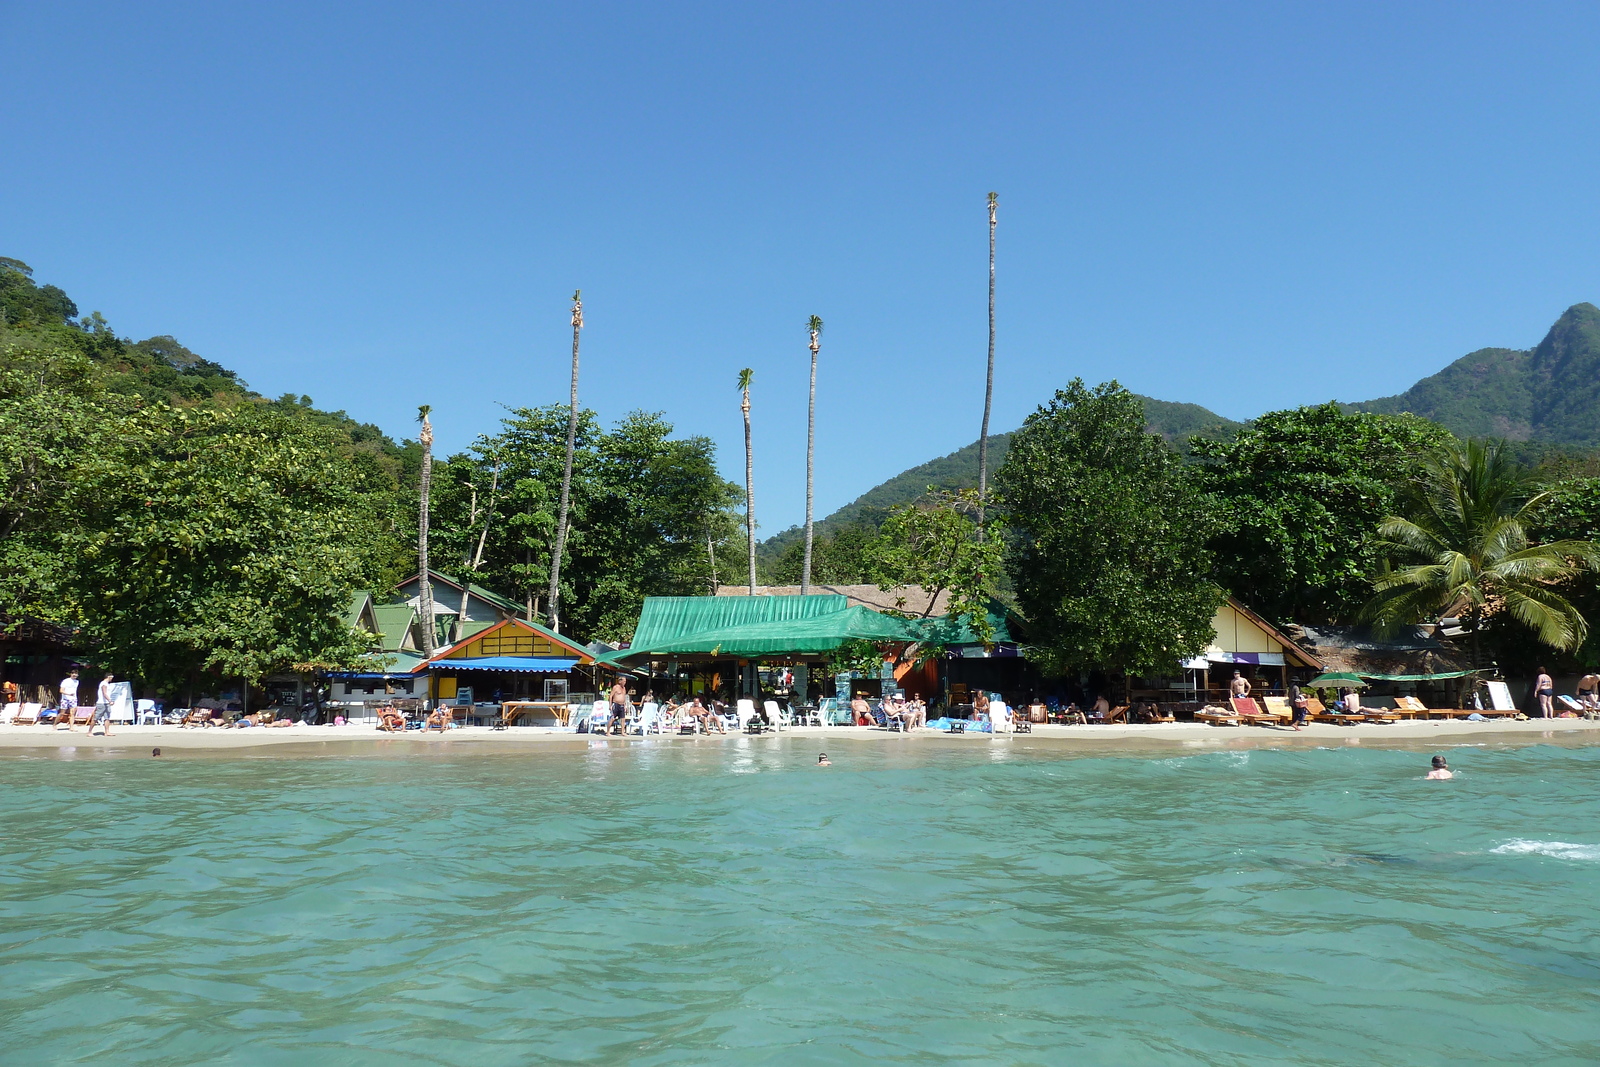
[(424, 491), (933, 543), (749, 475), (814, 326), (473, 558), (1106, 539), (566, 472), (1298, 496), (988, 387), (1461, 546)]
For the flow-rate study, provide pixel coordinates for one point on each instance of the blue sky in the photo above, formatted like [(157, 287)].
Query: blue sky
[(1247, 206)]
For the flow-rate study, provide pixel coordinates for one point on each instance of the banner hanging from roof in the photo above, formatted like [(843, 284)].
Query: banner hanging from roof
[(1265, 659)]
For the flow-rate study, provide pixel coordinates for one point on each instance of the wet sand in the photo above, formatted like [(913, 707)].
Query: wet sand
[(363, 738)]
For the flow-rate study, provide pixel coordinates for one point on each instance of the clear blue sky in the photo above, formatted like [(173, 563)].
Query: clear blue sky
[(1246, 206)]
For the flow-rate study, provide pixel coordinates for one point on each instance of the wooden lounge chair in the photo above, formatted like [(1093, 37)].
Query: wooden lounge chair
[(1217, 716), (1278, 708), (27, 715), (1248, 710), (1411, 707), (83, 715), (1317, 711)]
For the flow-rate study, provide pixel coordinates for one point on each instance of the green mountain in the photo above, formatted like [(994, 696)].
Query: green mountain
[(959, 470), (1547, 395)]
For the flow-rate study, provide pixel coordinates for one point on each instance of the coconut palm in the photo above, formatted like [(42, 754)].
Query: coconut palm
[(814, 326), (749, 476), (566, 472), (1462, 548), (988, 388), (424, 491)]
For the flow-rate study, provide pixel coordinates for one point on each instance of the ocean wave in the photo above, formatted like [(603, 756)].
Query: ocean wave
[(1561, 850)]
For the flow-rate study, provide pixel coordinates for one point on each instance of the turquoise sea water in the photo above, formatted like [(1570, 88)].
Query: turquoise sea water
[(725, 902)]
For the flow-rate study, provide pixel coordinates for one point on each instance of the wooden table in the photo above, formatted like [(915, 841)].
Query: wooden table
[(513, 710)]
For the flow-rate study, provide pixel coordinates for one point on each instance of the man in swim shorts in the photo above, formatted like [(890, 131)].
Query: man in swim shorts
[(1440, 772), (1240, 686)]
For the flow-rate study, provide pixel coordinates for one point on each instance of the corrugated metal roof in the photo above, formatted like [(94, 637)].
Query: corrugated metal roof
[(394, 622), (815, 633), (668, 619)]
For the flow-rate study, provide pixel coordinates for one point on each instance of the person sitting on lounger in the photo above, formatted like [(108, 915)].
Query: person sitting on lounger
[(1589, 690), (437, 719), (894, 711), (980, 707), (916, 714), (1352, 702), (861, 711), (1074, 714), (1440, 771), (390, 720), (1102, 707)]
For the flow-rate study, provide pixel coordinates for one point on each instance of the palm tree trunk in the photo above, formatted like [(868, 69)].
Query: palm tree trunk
[(815, 326), (424, 491), (566, 473), (988, 388), (749, 480)]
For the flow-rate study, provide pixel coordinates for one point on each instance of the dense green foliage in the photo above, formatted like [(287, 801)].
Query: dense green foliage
[(644, 505), (1548, 394), (1175, 423), (1298, 496), (1107, 544), (1461, 545), (935, 543)]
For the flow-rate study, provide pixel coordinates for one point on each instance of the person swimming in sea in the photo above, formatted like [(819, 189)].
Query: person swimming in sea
[(1440, 772), (823, 760)]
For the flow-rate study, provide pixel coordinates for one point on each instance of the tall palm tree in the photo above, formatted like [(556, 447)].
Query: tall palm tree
[(749, 476), (566, 472), (424, 491), (988, 388), (814, 326), (1462, 548)]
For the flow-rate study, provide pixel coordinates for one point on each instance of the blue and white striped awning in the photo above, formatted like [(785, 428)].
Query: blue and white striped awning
[(524, 664)]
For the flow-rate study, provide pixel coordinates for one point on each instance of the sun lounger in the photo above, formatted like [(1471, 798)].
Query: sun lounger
[(1278, 708), (83, 715), (27, 715), (1248, 710), (1316, 711), (1217, 716), (11, 711)]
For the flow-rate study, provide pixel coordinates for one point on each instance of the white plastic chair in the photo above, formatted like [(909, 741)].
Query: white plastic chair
[(10, 713), (745, 710), (1000, 717), (599, 715), (145, 712), (649, 718), (774, 714)]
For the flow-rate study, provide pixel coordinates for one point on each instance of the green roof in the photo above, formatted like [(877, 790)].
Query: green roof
[(669, 619), (755, 626), (950, 630), (394, 620), (481, 593), (358, 600)]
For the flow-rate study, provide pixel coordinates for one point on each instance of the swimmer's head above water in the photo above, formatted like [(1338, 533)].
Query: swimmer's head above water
[(823, 761)]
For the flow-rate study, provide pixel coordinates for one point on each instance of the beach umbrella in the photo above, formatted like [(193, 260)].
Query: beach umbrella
[(1336, 680)]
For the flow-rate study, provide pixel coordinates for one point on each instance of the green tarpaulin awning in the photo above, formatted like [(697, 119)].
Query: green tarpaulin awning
[(1440, 676), (803, 635)]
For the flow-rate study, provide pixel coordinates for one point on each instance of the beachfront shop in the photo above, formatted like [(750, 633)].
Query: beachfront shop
[(1244, 642), (513, 666), (727, 647)]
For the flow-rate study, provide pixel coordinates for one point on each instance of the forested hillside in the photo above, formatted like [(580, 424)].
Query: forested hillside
[(1549, 394), (1175, 422)]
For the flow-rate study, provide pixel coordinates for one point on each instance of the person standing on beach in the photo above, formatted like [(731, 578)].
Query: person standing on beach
[(1240, 686), (102, 706), (69, 698), (1545, 687), (619, 706), (1298, 705)]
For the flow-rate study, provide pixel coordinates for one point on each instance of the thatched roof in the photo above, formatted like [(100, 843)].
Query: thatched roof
[(1413, 650), (911, 599)]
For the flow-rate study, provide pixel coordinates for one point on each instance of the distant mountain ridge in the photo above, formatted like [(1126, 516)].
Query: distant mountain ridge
[(1548, 395)]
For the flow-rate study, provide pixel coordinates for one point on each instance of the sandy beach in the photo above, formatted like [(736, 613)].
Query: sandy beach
[(366, 738)]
